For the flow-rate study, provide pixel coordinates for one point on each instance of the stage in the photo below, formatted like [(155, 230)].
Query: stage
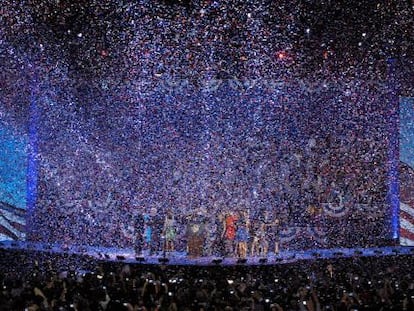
[(181, 258)]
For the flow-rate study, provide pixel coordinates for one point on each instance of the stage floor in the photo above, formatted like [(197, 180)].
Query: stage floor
[(181, 258)]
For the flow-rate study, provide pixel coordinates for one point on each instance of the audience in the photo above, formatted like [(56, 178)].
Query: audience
[(38, 281)]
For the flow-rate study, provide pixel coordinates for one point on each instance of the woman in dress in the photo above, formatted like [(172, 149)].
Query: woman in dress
[(229, 232), (169, 232)]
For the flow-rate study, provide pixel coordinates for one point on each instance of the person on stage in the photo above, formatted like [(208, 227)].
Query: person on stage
[(260, 244), (229, 232), (157, 224), (153, 231), (242, 234), (273, 228), (218, 242), (169, 232), (147, 232), (139, 227), (211, 237)]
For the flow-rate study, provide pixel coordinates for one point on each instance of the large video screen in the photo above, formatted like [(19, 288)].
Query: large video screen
[(406, 171), (13, 168)]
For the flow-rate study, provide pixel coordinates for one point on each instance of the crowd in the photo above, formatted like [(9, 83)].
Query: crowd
[(39, 281)]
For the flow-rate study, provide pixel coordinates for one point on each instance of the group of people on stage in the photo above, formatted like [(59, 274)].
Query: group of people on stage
[(240, 232), (229, 234)]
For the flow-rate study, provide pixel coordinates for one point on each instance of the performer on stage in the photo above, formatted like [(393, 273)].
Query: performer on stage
[(153, 230), (169, 232), (275, 237), (242, 234), (273, 226), (260, 245), (218, 243), (147, 232), (139, 227), (211, 237), (229, 233)]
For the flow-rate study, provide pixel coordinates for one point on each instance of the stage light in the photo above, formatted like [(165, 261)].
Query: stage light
[(140, 259), (262, 260), (120, 257)]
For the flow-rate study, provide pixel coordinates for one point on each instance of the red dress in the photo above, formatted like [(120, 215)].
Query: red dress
[(230, 232)]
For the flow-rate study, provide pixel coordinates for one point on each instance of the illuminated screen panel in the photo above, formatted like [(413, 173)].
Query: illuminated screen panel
[(13, 163), (407, 172)]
